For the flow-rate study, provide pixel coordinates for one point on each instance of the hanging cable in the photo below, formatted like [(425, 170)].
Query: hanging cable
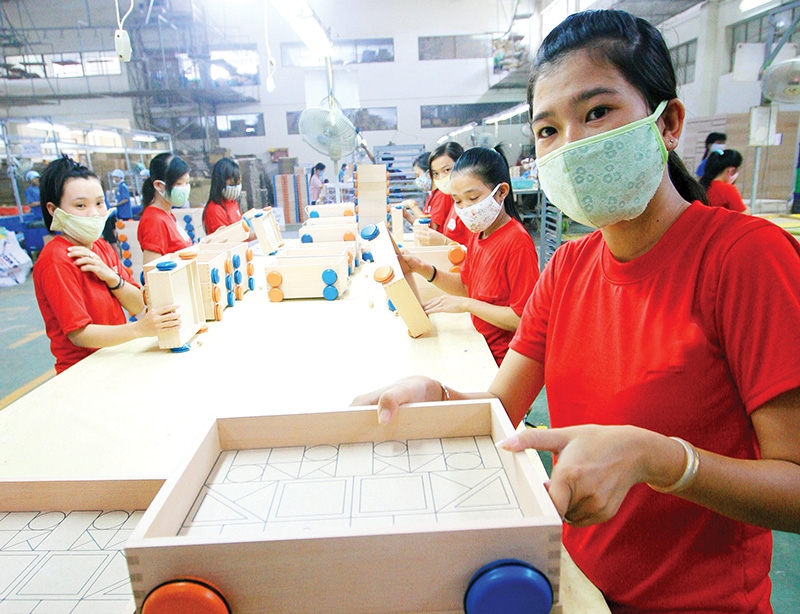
[(120, 22)]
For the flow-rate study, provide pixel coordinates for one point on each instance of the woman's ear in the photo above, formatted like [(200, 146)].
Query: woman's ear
[(502, 191), (672, 126), (51, 208)]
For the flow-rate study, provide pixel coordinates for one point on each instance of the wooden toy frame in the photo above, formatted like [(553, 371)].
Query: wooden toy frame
[(266, 229), (446, 258), (320, 230), (212, 292), (381, 570), (400, 288), (233, 233), (330, 210), (302, 276), (240, 252), (179, 286)]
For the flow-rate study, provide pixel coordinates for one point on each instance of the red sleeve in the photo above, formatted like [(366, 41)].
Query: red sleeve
[(152, 234), (523, 267), (440, 207), (62, 286), (214, 217), (531, 335), (758, 313), (735, 202)]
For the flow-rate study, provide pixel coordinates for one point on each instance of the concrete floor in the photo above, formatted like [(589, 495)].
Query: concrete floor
[(26, 362)]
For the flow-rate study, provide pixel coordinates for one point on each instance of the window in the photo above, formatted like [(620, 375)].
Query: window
[(375, 118), (356, 51), (454, 47), (63, 65), (240, 125), (456, 115), (684, 58), (23, 67), (232, 67), (756, 29), (101, 63)]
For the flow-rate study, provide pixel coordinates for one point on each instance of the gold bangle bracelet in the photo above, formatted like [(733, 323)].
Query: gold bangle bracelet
[(445, 392)]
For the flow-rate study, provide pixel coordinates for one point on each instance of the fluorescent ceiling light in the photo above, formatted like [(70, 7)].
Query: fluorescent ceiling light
[(443, 139), (144, 138), (47, 126), (513, 112), (463, 129), (747, 5), (306, 25)]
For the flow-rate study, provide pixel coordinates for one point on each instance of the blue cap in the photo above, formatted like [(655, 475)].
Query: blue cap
[(508, 586), (214, 275), (259, 214), (314, 214), (127, 262), (141, 278), (367, 257), (181, 348), (187, 218), (229, 282), (306, 238), (189, 226), (330, 293), (369, 232), (329, 276), (237, 261), (125, 245), (231, 299), (166, 266), (391, 306), (237, 277), (251, 283)]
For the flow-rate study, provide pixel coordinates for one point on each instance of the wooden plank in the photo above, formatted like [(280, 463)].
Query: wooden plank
[(178, 286)]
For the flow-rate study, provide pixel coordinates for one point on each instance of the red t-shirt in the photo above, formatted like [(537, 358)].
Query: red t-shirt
[(721, 194), (70, 299), (158, 232), (437, 208), (216, 215), (687, 340), (453, 228), (502, 270)]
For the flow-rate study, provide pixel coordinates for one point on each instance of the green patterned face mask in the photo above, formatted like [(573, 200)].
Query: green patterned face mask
[(608, 177)]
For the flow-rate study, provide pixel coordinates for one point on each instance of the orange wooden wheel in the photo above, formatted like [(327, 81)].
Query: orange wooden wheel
[(203, 329), (218, 312), (216, 294), (120, 224), (349, 212), (455, 269), (349, 236), (246, 226), (248, 254), (239, 292), (126, 253), (251, 269), (228, 266), (191, 255), (274, 279), (185, 597), (275, 295), (456, 254), (122, 238), (383, 274)]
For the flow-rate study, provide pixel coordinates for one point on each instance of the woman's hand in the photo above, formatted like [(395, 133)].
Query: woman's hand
[(596, 466), (89, 262), (156, 320), (409, 262), (414, 389), (446, 303)]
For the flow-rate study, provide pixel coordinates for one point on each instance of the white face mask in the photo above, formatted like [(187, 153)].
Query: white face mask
[(608, 177), (423, 183), (84, 230), (443, 184), (232, 192), (482, 214), (716, 147)]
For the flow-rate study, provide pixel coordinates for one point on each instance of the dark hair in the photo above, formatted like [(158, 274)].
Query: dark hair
[(51, 184), (319, 166), (637, 50), (224, 169), (451, 149), (712, 138), (422, 161), (164, 167), (717, 162), (491, 167)]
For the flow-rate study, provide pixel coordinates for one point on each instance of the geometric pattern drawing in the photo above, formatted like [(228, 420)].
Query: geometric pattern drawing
[(65, 562), (419, 482)]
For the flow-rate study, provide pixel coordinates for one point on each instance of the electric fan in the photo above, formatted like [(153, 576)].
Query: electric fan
[(781, 81), (327, 130)]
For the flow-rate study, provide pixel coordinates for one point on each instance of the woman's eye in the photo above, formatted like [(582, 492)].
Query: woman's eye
[(597, 113), (545, 132)]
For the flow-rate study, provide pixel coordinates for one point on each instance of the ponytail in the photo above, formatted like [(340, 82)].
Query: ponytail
[(491, 167), (684, 181)]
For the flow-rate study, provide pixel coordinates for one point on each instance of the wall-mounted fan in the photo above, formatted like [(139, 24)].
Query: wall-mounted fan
[(485, 139), (781, 82)]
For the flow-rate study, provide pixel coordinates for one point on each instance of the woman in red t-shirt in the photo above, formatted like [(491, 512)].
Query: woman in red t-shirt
[(166, 187), (501, 266), (222, 208), (442, 214), (80, 283), (673, 381), (721, 172)]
